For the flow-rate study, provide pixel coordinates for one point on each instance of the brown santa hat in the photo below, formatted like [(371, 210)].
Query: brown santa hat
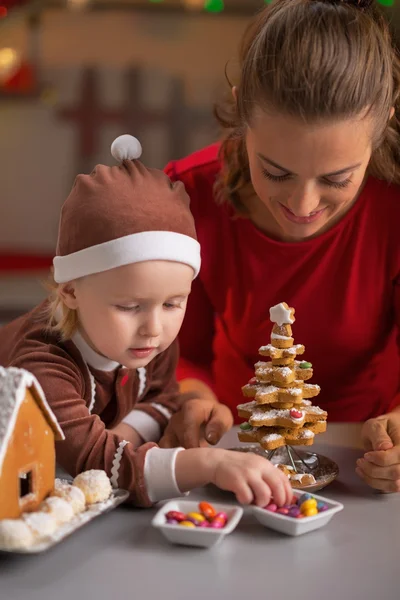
[(124, 214)]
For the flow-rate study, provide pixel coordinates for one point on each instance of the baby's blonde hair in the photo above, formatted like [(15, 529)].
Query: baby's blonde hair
[(68, 323)]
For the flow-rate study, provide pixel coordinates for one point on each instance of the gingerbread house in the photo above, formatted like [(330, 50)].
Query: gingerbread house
[(28, 430)]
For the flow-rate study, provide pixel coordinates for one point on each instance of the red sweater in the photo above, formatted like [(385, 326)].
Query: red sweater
[(344, 286)]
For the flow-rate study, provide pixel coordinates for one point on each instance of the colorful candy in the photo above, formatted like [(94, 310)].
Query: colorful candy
[(245, 426), (304, 506), (196, 516), (305, 365), (310, 512), (296, 414), (303, 498), (221, 515), (309, 504), (283, 511), (187, 524), (205, 517), (176, 515), (207, 510)]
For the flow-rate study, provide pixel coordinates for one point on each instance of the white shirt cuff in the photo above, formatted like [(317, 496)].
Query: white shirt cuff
[(159, 474), (145, 425)]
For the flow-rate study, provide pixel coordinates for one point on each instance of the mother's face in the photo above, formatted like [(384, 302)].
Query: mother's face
[(306, 176)]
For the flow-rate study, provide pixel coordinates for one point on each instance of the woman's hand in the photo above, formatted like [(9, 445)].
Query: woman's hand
[(198, 423), (380, 467)]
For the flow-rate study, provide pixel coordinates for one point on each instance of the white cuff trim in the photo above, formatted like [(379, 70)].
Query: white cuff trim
[(159, 474), (145, 425), (163, 410)]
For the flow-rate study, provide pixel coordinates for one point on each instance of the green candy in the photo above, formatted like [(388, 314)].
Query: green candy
[(245, 426), (305, 365)]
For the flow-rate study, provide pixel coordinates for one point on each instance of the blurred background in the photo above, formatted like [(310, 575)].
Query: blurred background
[(74, 74)]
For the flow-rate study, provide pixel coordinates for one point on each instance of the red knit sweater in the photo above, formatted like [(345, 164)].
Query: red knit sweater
[(344, 285)]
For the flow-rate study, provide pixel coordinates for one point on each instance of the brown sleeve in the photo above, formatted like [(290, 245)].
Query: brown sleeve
[(88, 444), (163, 388)]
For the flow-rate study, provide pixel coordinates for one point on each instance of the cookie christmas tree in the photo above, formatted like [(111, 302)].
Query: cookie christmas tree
[(281, 412)]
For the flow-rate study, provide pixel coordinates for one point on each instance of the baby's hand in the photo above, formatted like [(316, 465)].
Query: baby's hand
[(251, 478)]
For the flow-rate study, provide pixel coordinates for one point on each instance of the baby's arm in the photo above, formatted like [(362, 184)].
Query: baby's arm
[(88, 444), (129, 434), (149, 473)]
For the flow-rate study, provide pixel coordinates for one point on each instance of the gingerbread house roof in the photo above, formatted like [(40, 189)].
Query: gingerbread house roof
[(13, 385)]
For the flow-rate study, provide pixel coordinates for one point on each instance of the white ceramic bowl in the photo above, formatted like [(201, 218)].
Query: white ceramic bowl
[(292, 526), (190, 536)]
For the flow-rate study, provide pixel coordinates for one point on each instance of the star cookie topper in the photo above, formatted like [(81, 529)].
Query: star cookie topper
[(282, 314)]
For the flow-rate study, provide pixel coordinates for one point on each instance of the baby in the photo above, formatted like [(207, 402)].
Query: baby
[(103, 345)]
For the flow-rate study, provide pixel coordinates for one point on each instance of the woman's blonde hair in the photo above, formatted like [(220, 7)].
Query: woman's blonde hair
[(315, 60), (60, 318)]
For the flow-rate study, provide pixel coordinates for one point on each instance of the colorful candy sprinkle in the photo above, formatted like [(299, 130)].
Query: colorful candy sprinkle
[(305, 365), (304, 506), (245, 426), (206, 516), (296, 414)]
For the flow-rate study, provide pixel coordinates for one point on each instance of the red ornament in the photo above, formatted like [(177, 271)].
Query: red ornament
[(22, 82)]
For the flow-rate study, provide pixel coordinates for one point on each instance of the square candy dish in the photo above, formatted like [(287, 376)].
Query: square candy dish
[(204, 537), (294, 526)]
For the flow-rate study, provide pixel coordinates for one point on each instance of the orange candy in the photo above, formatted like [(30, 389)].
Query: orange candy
[(208, 510)]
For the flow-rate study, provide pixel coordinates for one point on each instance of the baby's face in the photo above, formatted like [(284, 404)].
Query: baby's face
[(132, 313)]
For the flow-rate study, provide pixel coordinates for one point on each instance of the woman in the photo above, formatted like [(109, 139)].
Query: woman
[(300, 203)]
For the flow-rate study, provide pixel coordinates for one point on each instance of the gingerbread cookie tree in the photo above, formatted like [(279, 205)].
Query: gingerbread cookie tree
[(281, 412)]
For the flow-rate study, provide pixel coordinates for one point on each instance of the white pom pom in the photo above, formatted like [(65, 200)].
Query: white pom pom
[(126, 147)]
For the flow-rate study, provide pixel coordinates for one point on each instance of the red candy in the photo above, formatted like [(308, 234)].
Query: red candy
[(283, 511), (253, 381), (222, 516), (296, 414), (176, 515)]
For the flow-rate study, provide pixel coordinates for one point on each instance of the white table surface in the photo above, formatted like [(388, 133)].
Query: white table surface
[(119, 555)]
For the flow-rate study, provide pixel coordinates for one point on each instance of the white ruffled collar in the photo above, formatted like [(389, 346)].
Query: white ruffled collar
[(91, 357)]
